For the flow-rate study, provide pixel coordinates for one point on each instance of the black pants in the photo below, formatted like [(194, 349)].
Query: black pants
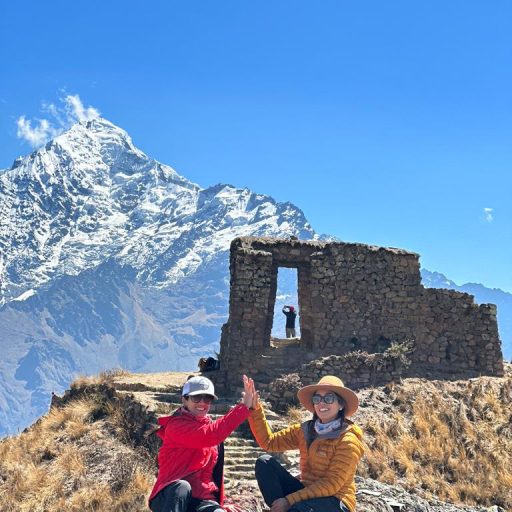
[(275, 482), (177, 497)]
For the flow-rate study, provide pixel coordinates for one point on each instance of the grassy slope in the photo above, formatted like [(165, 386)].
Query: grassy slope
[(450, 439)]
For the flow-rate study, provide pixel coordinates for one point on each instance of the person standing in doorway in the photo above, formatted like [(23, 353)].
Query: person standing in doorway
[(291, 315)]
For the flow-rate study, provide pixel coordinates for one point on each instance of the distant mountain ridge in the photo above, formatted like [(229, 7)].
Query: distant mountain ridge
[(109, 258)]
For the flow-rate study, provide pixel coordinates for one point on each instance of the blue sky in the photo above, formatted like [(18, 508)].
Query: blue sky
[(387, 122)]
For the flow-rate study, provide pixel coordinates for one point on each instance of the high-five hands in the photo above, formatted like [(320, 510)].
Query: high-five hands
[(249, 394), (255, 395)]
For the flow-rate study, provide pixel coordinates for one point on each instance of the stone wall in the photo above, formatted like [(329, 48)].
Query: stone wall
[(354, 297), (356, 369)]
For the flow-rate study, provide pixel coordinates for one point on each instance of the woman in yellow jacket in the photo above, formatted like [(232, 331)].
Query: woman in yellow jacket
[(330, 448)]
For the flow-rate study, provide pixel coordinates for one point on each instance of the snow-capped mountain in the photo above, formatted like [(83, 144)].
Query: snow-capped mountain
[(90, 195), (109, 258), (483, 295)]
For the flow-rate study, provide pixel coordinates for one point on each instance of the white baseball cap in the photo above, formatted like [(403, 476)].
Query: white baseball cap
[(198, 386)]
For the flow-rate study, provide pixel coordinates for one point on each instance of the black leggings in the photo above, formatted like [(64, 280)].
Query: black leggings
[(177, 497), (275, 482)]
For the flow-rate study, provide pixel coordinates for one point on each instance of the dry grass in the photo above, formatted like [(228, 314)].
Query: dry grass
[(54, 465), (296, 415), (106, 377), (450, 440), (246, 495), (164, 409)]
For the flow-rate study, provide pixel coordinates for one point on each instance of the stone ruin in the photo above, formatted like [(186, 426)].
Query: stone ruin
[(353, 300)]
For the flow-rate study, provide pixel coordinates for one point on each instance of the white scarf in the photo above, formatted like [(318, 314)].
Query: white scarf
[(325, 428)]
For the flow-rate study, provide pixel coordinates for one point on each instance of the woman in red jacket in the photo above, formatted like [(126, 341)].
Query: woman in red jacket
[(191, 458)]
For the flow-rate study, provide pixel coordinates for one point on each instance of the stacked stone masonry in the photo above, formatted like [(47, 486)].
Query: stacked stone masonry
[(356, 369), (352, 297)]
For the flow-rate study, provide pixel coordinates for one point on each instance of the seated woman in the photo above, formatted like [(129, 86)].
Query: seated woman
[(191, 458), (330, 448)]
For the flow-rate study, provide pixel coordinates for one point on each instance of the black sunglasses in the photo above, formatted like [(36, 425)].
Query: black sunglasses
[(330, 398), (207, 399)]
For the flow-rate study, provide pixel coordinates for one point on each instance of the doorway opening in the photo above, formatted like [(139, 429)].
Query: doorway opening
[(286, 295)]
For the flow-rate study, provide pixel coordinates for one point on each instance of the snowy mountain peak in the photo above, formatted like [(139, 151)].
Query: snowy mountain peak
[(97, 148), (90, 195)]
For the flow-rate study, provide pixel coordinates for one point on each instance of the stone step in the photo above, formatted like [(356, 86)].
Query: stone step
[(237, 452), (239, 475), (241, 448), (249, 459), (234, 440), (246, 467), (243, 458), (243, 452), (242, 473), (246, 458), (236, 464)]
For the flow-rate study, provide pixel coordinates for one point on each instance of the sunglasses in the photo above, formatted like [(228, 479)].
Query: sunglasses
[(207, 399), (330, 398)]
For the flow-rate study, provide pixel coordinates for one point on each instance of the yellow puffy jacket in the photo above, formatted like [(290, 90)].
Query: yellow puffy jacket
[(327, 466)]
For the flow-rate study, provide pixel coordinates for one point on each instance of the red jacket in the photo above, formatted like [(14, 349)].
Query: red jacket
[(189, 442)]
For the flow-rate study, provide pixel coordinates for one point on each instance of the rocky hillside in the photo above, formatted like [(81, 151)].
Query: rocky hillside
[(433, 446)]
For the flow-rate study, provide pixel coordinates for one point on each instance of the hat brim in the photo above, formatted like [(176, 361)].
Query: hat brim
[(306, 393)]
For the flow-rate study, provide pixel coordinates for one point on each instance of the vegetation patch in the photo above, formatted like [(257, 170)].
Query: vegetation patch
[(70, 460), (448, 439)]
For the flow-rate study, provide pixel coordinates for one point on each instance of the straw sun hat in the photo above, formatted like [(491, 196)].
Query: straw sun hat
[(329, 383)]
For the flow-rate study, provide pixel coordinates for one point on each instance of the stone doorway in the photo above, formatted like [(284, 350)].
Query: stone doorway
[(286, 294), (350, 296)]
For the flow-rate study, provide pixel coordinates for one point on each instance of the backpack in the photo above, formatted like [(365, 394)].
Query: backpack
[(208, 364)]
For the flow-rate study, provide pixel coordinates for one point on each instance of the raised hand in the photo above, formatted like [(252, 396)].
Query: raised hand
[(248, 392), (255, 395)]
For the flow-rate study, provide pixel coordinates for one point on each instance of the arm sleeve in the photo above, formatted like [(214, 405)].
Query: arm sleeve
[(341, 470), (189, 435), (287, 439)]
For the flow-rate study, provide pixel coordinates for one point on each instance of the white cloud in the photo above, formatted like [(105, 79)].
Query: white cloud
[(488, 214), (35, 135), (60, 117), (76, 110), (55, 113)]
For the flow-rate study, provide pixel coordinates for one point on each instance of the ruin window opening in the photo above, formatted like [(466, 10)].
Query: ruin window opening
[(286, 295)]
